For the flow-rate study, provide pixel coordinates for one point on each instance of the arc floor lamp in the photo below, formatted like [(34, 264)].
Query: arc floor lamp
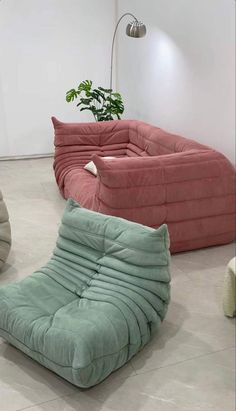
[(134, 29)]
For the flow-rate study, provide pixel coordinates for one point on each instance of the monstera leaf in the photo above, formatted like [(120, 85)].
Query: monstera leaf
[(71, 95), (104, 104)]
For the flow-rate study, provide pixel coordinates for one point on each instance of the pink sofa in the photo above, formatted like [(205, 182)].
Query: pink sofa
[(156, 178)]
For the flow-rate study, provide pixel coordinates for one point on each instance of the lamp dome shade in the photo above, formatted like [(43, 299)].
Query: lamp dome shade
[(136, 29)]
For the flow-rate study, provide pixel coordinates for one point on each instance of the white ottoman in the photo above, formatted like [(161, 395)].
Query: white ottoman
[(5, 232), (229, 296)]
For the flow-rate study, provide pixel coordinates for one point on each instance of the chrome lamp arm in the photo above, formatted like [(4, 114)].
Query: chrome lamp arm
[(134, 29)]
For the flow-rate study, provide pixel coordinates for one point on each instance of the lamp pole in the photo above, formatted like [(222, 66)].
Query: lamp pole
[(113, 42)]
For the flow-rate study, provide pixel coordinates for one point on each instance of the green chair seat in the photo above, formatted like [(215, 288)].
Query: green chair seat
[(98, 300)]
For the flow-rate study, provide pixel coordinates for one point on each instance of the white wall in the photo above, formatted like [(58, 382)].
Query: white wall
[(181, 75), (46, 48)]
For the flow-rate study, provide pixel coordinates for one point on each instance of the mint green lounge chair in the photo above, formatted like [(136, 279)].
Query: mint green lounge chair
[(97, 302)]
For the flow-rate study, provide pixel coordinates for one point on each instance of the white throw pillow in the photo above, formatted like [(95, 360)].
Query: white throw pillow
[(90, 166)]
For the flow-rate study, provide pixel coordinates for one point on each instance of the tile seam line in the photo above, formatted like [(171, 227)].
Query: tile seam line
[(181, 362), (124, 378), (53, 399)]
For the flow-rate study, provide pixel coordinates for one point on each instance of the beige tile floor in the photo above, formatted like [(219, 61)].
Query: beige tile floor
[(188, 366)]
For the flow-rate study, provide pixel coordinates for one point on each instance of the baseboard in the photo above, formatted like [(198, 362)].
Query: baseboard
[(27, 157)]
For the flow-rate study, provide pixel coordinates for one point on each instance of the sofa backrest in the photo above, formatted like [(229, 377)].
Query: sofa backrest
[(117, 138), (75, 143), (109, 138)]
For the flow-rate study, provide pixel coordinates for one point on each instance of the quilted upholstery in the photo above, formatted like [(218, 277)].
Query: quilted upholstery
[(98, 300), (156, 178), (5, 232), (229, 292)]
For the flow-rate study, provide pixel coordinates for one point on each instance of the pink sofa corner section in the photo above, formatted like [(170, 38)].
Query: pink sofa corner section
[(156, 177)]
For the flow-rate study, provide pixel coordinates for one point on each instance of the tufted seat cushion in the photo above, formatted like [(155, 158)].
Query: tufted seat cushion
[(98, 300), (5, 232)]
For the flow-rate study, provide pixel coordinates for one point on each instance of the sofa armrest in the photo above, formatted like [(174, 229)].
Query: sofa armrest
[(142, 171), (145, 181)]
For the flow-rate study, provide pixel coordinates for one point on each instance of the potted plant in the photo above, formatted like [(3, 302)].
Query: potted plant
[(103, 103)]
